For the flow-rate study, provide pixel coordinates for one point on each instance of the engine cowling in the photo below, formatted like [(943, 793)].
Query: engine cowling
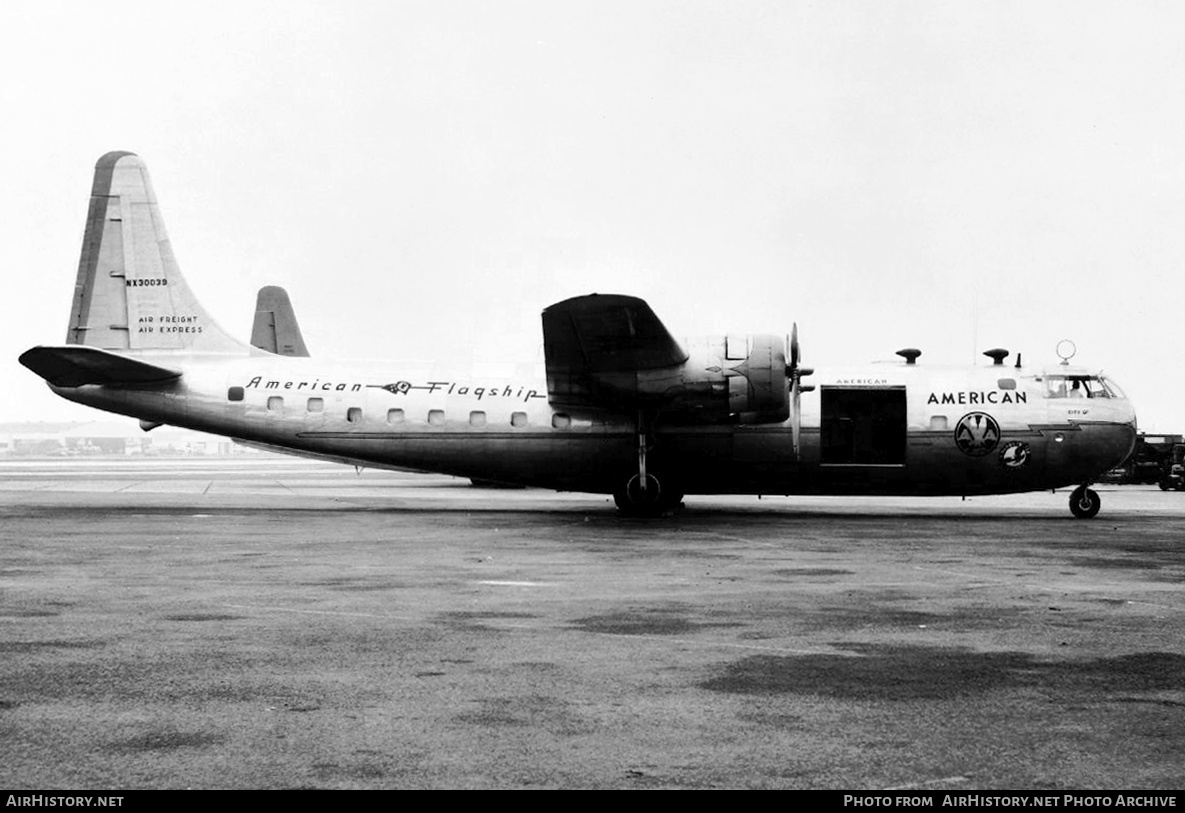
[(726, 379), (758, 388)]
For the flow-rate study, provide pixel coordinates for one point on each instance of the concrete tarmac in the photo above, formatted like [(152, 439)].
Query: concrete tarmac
[(275, 623)]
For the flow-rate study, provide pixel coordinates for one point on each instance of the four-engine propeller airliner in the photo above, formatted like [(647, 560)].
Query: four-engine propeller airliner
[(623, 408)]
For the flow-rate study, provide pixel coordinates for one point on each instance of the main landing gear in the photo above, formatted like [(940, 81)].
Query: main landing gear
[(656, 500), (1084, 502), (644, 494)]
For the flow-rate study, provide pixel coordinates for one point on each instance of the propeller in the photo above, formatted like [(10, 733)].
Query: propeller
[(794, 374)]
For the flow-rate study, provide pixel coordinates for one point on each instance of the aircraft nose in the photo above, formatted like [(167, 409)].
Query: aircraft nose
[(1124, 438)]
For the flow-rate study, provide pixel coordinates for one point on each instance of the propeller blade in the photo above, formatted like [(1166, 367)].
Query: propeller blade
[(795, 415), (794, 345)]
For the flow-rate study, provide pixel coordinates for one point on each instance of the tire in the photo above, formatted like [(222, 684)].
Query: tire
[(1084, 502), (655, 501)]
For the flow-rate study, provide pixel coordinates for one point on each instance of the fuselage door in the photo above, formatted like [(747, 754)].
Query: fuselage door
[(863, 426)]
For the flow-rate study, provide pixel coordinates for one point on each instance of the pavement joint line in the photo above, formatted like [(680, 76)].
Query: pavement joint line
[(727, 644), (265, 608), (528, 628), (1040, 588), (1154, 604), (731, 538), (930, 782)]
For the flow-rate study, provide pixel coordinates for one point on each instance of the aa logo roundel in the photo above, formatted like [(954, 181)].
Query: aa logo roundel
[(977, 434)]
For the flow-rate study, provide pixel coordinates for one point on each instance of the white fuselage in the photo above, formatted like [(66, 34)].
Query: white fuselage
[(891, 428)]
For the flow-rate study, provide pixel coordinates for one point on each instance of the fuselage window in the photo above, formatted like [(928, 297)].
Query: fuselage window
[(939, 423), (477, 418), (518, 419), (234, 394), (394, 416), (316, 405), (275, 403), (1006, 383), (560, 421), (354, 414), (436, 417)]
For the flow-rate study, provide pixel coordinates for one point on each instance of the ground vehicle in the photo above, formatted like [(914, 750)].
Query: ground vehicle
[(1174, 470), (1148, 462)]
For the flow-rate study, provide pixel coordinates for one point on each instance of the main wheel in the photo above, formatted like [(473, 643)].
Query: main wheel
[(1084, 502), (653, 501)]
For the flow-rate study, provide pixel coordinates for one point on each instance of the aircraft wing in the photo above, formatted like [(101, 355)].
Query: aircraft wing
[(74, 365), (597, 349)]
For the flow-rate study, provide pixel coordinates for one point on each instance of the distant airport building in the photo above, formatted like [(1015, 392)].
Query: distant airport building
[(110, 438)]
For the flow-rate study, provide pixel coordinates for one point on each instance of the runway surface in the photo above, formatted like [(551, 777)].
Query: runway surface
[(274, 623)]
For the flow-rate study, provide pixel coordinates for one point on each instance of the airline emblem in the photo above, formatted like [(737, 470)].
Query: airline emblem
[(1015, 455), (977, 434)]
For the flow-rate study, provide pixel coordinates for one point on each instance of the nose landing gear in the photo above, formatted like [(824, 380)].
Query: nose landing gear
[(1084, 502)]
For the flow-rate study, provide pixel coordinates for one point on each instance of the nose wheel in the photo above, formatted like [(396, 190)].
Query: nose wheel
[(1084, 502)]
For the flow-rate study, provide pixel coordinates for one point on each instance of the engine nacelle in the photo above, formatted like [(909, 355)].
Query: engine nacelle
[(758, 388), (727, 379)]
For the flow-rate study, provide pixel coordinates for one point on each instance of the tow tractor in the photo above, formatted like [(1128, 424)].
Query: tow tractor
[(1174, 470)]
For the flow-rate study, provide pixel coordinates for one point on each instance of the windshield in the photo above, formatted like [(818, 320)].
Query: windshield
[(1079, 386)]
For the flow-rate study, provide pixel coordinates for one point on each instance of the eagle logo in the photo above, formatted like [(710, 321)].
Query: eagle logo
[(1015, 455), (977, 434)]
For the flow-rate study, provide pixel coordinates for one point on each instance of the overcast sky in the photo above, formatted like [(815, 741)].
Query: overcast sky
[(425, 177)]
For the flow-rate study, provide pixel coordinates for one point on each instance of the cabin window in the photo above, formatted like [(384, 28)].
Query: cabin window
[(939, 423), (560, 421), (477, 418), (354, 414), (394, 416), (1006, 383), (436, 417), (518, 419), (316, 405), (234, 394), (275, 403)]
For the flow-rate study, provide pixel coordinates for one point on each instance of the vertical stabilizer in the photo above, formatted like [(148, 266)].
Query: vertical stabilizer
[(130, 294), (275, 329)]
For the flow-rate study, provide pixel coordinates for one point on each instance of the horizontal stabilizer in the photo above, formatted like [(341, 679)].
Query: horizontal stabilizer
[(75, 365)]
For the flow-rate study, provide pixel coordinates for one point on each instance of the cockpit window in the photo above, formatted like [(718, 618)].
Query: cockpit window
[(1111, 387), (1079, 386)]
